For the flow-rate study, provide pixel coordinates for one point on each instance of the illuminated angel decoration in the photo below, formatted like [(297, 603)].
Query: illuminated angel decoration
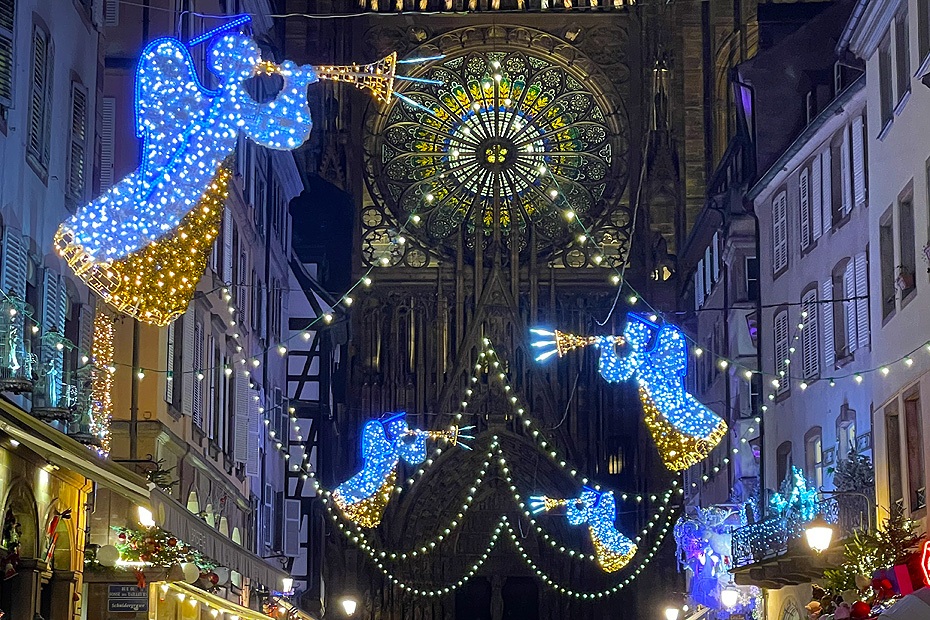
[(598, 510), (144, 243), (684, 430), (385, 442)]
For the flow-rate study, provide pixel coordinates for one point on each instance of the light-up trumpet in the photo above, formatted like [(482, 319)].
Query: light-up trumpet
[(144, 243), (561, 343), (598, 510)]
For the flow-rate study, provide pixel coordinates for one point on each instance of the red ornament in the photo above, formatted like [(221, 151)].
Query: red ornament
[(172, 542), (122, 536), (860, 611), (214, 578)]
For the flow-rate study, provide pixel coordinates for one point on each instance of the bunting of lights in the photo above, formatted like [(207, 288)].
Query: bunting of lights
[(101, 408), (597, 510), (385, 442), (143, 244), (684, 430)]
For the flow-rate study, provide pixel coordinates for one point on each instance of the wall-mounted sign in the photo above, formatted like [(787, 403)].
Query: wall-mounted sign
[(127, 598)]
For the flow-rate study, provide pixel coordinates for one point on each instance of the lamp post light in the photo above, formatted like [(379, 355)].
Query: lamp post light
[(729, 596), (349, 605), (671, 613), (819, 534)]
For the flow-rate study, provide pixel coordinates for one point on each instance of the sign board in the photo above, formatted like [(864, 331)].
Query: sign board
[(127, 598), (737, 616)]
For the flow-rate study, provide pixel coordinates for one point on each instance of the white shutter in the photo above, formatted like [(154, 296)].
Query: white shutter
[(111, 12), (197, 393), (780, 232), (715, 257), (187, 363), (858, 161), (699, 285), (846, 173), (253, 451), (816, 197), (54, 299), (170, 334), (37, 135), (86, 334), (810, 338), (292, 516), (78, 139), (241, 411), (827, 190), (805, 207), (7, 24), (781, 348), (708, 272), (227, 247), (13, 280), (849, 291), (107, 142), (862, 304), (267, 515), (829, 341)]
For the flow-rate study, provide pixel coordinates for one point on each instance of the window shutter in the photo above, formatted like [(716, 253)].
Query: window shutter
[(242, 438), (810, 337), (13, 279), (37, 95), (846, 173), (53, 320), (107, 142), (858, 161), (197, 393), (7, 21), (242, 297), (111, 13), (187, 358), (699, 285), (267, 512), (715, 257), (816, 197), (169, 362), (227, 247), (826, 188), (86, 334), (253, 452), (780, 232), (829, 341), (78, 140), (292, 516), (862, 304), (805, 203), (781, 347), (849, 290)]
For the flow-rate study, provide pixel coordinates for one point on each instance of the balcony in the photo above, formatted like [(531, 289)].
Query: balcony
[(772, 553), (17, 364)]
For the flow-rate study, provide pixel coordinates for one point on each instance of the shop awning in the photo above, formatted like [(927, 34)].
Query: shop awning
[(65, 452), (170, 515), (168, 593)]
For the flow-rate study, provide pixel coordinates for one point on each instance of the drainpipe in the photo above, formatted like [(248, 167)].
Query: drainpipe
[(134, 394)]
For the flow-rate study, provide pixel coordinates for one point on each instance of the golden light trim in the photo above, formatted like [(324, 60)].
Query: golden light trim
[(156, 284), (376, 77), (678, 450), (101, 408)]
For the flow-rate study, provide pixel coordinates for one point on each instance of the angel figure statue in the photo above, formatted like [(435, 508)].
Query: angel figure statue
[(385, 442), (598, 510)]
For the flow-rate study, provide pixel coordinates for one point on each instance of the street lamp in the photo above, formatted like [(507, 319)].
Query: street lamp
[(349, 605), (819, 534), (729, 596), (671, 613)]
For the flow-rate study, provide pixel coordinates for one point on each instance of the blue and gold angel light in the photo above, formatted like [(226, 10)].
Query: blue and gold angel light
[(385, 442), (144, 243), (597, 510), (684, 430)]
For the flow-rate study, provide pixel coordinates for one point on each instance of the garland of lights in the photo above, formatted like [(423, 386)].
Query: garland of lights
[(143, 245), (101, 409), (684, 430)]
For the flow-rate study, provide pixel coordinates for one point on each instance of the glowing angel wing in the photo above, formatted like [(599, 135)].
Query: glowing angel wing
[(169, 101)]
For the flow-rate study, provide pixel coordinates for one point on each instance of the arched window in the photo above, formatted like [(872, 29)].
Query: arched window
[(783, 461)]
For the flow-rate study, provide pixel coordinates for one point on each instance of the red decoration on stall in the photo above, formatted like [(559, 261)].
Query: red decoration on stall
[(860, 610), (925, 563)]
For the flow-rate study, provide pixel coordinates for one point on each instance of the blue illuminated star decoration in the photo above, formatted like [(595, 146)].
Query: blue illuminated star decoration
[(597, 510), (143, 244), (684, 430), (385, 442)]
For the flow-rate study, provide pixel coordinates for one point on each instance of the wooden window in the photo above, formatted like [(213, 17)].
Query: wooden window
[(810, 335), (107, 134), (38, 129)]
